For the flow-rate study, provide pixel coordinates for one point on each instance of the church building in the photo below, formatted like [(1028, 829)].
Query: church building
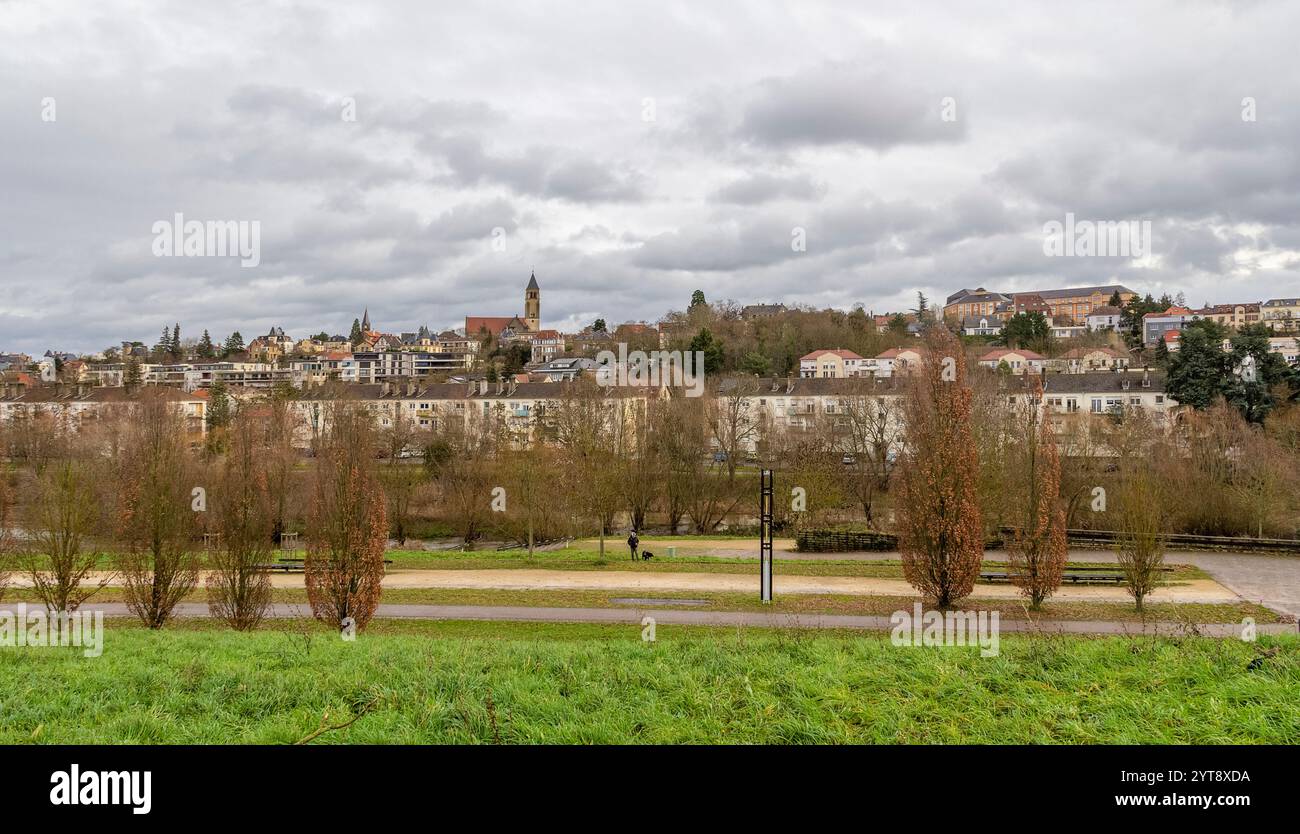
[(530, 322)]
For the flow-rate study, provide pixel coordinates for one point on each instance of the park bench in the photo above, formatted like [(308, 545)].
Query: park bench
[(1085, 577), (293, 564)]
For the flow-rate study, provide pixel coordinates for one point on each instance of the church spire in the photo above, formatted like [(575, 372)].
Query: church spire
[(365, 321)]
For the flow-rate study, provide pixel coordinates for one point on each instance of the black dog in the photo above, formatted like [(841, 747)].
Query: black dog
[(645, 554)]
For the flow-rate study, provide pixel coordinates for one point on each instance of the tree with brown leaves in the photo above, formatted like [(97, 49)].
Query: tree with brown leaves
[(348, 525), (940, 533), (1037, 549), (244, 517), (156, 478)]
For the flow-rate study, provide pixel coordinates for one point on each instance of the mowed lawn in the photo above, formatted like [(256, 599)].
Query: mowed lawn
[(459, 682)]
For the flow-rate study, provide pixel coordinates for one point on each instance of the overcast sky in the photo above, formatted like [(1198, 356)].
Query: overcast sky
[(629, 153)]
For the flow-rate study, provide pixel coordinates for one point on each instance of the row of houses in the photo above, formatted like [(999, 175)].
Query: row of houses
[(768, 404), (845, 364)]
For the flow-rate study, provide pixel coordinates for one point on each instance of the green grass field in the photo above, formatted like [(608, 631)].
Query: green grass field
[(450, 682)]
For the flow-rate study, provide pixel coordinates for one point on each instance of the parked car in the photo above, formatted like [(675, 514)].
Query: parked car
[(849, 460)]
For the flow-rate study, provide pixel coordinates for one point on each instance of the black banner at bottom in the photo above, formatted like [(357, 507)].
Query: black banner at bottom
[(338, 783)]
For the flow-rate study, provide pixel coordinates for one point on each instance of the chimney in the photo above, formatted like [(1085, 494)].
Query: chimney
[(410, 388)]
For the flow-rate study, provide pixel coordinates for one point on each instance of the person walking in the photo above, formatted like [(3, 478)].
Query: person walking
[(632, 541)]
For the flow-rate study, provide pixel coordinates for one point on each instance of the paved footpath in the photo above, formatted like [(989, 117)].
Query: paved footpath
[(750, 619), (1270, 579)]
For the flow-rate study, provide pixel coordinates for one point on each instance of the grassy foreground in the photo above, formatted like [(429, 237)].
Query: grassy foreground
[(452, 682)]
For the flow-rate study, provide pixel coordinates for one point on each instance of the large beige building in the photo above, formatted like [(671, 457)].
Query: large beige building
[(1073, 303)]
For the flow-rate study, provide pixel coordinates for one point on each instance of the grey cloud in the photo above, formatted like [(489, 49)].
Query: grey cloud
[(842, 104), (762, 187)]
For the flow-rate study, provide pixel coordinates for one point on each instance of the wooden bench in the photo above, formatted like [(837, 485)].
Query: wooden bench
[(293, 565), (1087, 577)]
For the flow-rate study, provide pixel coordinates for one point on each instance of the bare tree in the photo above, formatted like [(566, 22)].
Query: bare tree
[(156, 478), (871, 439), (461, 455), (62, 523), (940, 529), (1141, 545), (810, 461), (348, 523), (282, 424), (1264, 481), (733, 419), (403, 482), (642, 470), (6, 530), (528, 472), (588, 424), (243, 513)]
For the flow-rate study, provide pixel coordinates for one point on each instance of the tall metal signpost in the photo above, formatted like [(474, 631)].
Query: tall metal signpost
[(765, 535)]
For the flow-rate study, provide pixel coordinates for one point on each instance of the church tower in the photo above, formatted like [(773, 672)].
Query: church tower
[(533, 305)]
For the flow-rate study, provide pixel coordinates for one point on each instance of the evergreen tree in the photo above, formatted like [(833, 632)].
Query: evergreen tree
[(164, 345), (206, 349), (355, 335), (1200, 372), (176, 340), (697, 299), (1027, 330), (1258, 374), (219, 411), (234, 344), (711, 348)]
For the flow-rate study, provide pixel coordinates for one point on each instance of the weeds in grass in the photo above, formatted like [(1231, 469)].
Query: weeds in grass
[(326, 727)]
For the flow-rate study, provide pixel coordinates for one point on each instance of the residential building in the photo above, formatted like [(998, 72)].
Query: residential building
[(1109, 394), (1020, 361), (1281, 313), (761, 311), (562, 369), (547, 345), (1231, 315), (830, 364), (1105, 317), (989, 325), (896, 361), (1085, 360), (1155, 325), (1073, 303), (965, 304), (1286, 346)]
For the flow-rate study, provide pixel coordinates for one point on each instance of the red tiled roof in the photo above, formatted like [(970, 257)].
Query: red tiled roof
[(1001, 352), (492, 324)]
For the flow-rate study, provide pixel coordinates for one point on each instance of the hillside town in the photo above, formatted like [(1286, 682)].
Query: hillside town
[(1096, 349)]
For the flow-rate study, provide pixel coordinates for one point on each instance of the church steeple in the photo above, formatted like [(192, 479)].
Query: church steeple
[(533, 304), (365, 321)]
